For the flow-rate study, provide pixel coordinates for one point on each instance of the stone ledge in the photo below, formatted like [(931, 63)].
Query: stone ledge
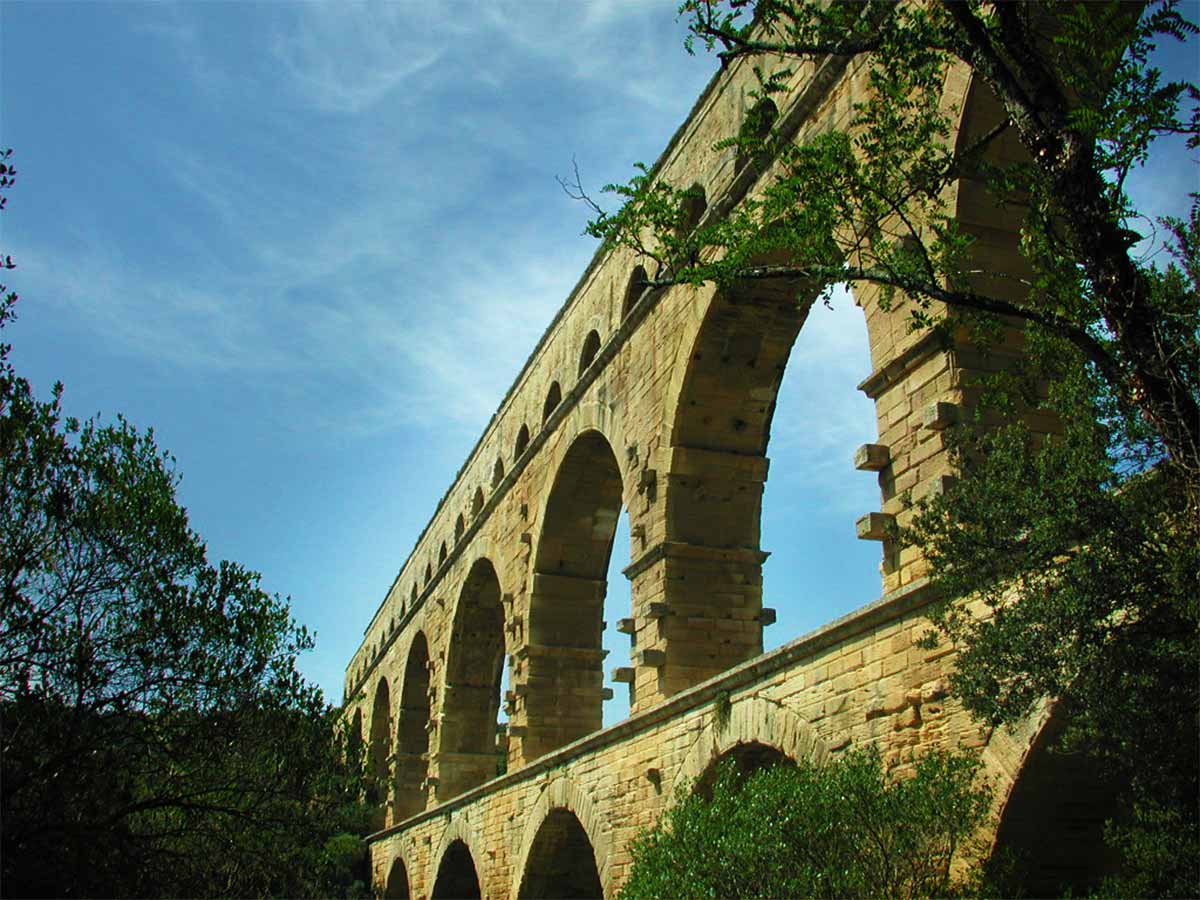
[(680, 550)]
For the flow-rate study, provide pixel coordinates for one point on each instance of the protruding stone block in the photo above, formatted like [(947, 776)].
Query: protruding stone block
[(939, 415), (938, 485), (606, 694), (874, 526), (623, 675), (627, 626), (767, 616), (516, 731), (658, 610), (647, 480), (653, 659), (872, 457)]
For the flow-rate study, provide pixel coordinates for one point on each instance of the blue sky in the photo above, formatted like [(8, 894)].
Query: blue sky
[(311, 245)]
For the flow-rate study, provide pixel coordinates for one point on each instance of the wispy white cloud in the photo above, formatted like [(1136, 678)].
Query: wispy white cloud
[(381, 263), (346, 57), (434, 355)]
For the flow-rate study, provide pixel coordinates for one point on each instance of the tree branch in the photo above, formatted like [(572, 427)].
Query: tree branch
[(969, 300)]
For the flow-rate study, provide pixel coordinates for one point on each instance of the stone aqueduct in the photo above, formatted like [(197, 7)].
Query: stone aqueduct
[(660, 402)]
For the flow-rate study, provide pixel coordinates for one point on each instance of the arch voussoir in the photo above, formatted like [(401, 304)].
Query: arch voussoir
[(752, 720), (564, 794), (459, 828)]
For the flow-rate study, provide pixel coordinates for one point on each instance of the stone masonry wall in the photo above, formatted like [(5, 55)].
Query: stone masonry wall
[(858, 681), (659, 403)]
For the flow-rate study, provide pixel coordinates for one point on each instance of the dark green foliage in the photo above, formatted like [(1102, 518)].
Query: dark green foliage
[(838, 830), (156, 738), (1087, 562)]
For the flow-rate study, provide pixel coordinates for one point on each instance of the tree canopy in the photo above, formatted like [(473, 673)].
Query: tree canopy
[(156, 738), (1081, 544)]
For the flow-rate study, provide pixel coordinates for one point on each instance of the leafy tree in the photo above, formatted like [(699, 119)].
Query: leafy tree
[(1081, 545), (840, 830), (156, 738)]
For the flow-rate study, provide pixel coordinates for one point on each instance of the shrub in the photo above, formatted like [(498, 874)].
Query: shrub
[(842, 829)]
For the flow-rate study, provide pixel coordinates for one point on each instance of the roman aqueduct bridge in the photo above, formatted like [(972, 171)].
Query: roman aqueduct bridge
[(659, 402)]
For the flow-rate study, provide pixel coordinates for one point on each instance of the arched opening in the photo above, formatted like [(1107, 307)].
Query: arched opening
[(737, 363), (467, 751), (563, 676), (456, 877), (1051, 834), (617, 641), (591, 346), (413, 596), (755, 129), (498, 471), (522, 441), (378, 749), (460, 525), (553, 398), (428, 574), (561, 862), (396, 887), (355, 737), (714, 489), (746, 759), (692, 208), (477, 502), (633, 290), (412, 732), (442, 554), (817, 561)]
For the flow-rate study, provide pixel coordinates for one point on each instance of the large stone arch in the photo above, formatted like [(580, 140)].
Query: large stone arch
[(559, 675), (459, 830), (379, 748), (995, 229), (1050, 807), (563, 794), (397, 882), (467, 754), (412, 732), (355, 737), (749, 720), (698, 590)]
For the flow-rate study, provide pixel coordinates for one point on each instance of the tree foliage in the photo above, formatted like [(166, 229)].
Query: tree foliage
[(1080, 544), (156, 738), (837, 830)]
